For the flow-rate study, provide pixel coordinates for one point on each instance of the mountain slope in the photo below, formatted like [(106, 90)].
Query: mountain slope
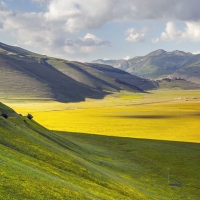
[(39, 76), (125, 78), (24, 76), (160, 64)]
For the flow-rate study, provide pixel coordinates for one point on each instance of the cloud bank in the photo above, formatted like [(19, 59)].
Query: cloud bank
[(55, 29)]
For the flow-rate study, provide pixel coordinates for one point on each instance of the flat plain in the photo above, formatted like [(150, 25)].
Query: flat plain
[(161, 114)]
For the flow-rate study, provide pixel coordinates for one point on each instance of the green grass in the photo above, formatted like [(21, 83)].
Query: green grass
[(40, 164)]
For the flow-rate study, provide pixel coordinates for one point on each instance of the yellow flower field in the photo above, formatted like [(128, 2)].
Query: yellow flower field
[(162, 115)]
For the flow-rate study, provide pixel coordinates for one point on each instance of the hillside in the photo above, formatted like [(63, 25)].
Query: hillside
[(160, 64), (36, 163), (27, 75)]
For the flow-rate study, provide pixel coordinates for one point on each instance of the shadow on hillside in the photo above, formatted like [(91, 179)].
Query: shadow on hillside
[(146, 117), (156, 116)]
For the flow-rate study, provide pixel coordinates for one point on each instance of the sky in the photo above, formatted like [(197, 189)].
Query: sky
[(86, 30)]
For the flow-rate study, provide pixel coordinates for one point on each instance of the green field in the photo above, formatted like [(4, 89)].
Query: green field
[(112, 162)]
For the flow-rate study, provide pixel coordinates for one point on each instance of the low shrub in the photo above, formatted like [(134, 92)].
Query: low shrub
[(4, 115), (29, 116)]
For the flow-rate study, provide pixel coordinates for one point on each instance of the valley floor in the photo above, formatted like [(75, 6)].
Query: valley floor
[(162, 115)]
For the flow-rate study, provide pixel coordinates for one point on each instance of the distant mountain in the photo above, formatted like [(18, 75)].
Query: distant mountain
[(24, 74), (160, 64), (120, 64)]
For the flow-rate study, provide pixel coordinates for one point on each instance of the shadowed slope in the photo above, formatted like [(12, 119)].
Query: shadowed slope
[(102, 76), (126, 78)]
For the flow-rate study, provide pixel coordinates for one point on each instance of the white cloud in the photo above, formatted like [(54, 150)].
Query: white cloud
[(192, 31), (127, 58), (136, 35), (196, 52), (172, 33), (87, 44), (76, 15)]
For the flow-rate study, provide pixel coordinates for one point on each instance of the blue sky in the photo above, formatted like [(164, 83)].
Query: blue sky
[(87, 30)]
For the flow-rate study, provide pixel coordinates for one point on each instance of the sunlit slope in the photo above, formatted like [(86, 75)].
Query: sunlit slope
[(39, 164)]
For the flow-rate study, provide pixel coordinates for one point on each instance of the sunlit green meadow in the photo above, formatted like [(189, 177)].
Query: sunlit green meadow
[(36, 163), (162, 115)]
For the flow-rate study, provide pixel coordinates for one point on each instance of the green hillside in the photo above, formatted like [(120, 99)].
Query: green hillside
[(161, 64), (36, 163)]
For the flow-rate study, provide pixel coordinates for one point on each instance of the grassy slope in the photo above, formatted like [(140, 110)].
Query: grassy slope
[(40, 164), (160, 64), (23, 84), (36, 80)]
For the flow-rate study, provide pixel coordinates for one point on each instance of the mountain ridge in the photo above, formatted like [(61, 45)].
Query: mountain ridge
[(161, 64)]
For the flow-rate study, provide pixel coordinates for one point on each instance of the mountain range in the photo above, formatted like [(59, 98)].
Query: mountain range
[(27, 75), (24, 74), (161, 64)]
